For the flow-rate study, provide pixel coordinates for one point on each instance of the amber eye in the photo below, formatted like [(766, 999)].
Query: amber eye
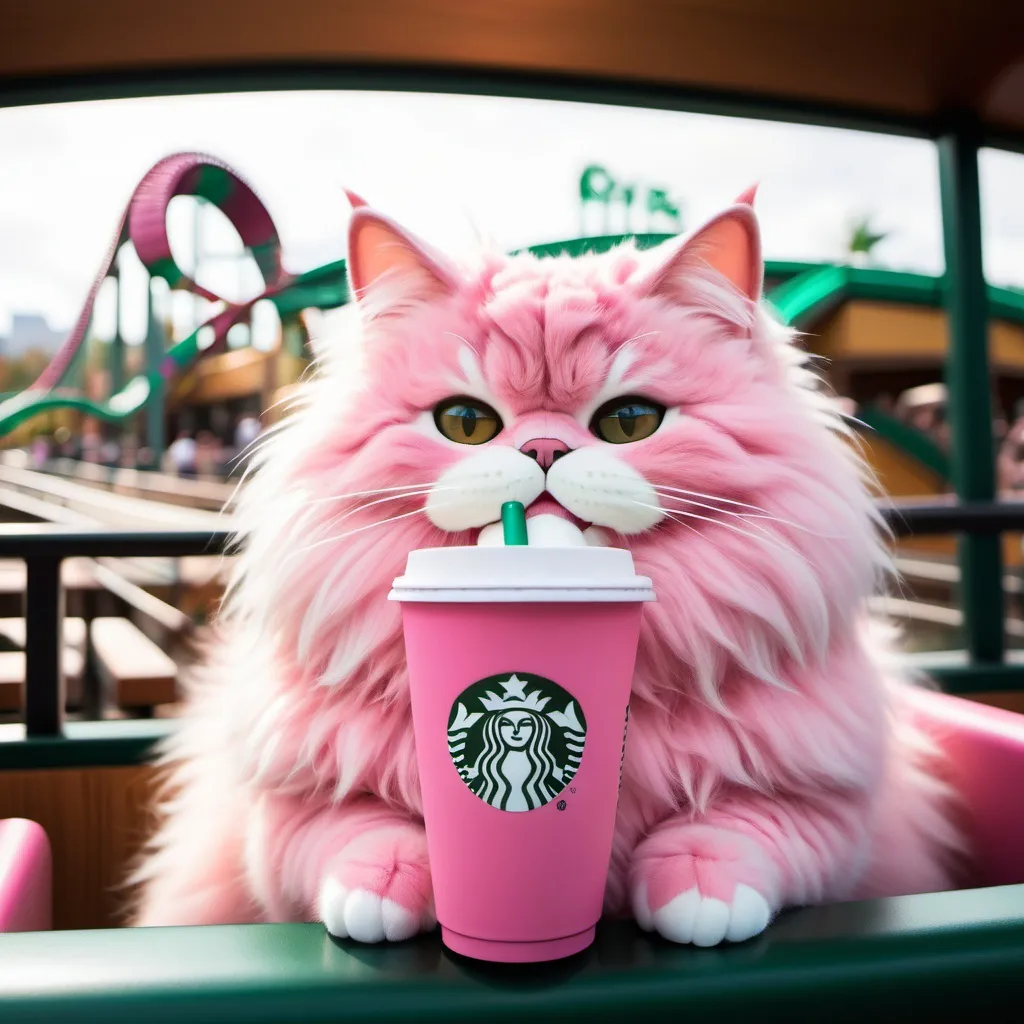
[(623, 420), (467, 421)]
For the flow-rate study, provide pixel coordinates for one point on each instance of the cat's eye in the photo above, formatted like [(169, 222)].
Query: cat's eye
[(624, 420), (467, 421)]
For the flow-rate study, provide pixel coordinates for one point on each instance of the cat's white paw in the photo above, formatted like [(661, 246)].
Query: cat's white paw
[(367, 917), (703, 920)]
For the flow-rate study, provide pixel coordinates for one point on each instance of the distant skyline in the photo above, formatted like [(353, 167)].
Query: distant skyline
[(454, 168), (29, 332)]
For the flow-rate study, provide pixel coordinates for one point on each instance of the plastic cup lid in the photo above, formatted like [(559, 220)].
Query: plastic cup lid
[(521, 574)]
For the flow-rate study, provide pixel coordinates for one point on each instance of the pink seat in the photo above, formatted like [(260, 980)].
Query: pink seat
[(986, 750), (26, 877)]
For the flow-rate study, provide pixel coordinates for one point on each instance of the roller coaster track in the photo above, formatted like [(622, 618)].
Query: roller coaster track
[(144, 223)]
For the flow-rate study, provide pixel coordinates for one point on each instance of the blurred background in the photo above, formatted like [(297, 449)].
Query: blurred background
[(457, 170)]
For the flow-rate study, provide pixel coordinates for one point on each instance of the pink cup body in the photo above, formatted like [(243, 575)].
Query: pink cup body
[(521, 885)]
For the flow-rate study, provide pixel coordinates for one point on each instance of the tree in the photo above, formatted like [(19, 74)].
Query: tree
[(658, 201), (862, 240), (19, 373), (598, 186)]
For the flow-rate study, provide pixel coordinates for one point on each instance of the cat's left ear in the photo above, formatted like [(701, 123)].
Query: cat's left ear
[(354, 199), (377, 246), (729, 243)]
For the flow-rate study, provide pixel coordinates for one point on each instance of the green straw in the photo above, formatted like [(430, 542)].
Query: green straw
[(513, 524)]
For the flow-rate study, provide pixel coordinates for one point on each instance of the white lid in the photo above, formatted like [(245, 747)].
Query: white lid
[(515, 574)]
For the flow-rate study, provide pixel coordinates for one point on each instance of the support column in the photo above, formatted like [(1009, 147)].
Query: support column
[(44, 632), (117, 380), (156, 440), (970, 389)]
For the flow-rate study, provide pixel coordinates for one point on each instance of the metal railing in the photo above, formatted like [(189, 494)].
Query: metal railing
[(43, 548)]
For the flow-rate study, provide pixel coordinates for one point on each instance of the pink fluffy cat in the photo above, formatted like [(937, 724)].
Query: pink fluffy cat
[(768, 761)]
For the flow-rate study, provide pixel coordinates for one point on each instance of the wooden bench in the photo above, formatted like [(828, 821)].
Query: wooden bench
[(12, 663), (134, 672)]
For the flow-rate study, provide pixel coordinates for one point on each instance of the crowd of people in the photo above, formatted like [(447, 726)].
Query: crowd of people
[(926, 409), (191, 456), (1010, 461), (206, 455)]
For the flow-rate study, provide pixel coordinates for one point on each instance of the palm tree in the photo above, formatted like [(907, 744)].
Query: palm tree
[(596, 186), (658, 201), (862, 240)]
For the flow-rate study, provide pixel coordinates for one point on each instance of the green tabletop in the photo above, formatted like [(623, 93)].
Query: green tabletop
[(953, 956)]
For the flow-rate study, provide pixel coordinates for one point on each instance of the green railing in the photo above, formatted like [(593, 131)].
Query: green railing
[(919, 958)]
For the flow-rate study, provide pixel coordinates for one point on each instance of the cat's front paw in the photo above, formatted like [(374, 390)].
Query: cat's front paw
[(704, 920), (368, 917), (378, 889), (703, 885)]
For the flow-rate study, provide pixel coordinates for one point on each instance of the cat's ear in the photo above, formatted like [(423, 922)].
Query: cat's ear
[(729, 243), (354, 199), (747, 196), (377, 247)]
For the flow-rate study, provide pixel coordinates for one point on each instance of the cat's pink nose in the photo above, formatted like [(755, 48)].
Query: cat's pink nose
[(546, 450)]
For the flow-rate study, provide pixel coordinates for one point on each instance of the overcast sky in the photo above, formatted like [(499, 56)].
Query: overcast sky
[(451, 167)]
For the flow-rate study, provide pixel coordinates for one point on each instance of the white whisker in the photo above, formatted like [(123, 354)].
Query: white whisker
[(370, 493), (711, 497), (757, 512), (423, 492), (698, 494), (761, 539), (472, 348), (662, 493), (745, 517), (672, 513), (349, 533), (681, 522), (637, 337), (666, 491)]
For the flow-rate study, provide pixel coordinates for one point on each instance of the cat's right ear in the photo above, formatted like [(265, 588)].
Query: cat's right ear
[(729, 245), (379, 249)]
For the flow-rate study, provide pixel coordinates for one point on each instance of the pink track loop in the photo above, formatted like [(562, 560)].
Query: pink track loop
[(144, 223)]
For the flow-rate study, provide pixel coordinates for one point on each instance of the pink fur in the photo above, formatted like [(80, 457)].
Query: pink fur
[(766, 745)]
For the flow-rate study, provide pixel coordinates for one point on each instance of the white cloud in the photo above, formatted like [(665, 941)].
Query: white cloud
[(449, 166)]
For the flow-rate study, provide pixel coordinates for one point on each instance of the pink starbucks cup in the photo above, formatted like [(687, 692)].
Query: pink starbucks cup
[(520, 667)]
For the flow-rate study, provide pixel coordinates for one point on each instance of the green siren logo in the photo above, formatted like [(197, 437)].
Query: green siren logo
[(516, 740)]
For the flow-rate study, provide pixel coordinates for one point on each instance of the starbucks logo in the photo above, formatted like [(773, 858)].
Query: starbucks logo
[(516, 740)]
